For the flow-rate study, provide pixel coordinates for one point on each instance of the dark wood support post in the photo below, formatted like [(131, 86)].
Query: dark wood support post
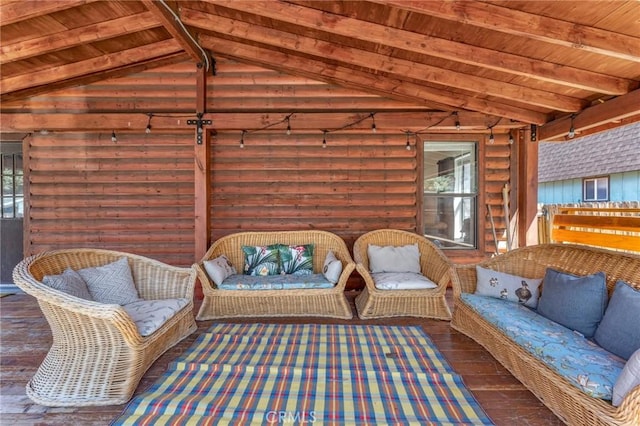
[(527, 190)]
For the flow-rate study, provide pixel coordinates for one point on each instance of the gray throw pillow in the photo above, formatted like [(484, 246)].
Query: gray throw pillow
[(619, 331), (70, 282), (501, 285), (576, 302), (628, 379), (111, 283)]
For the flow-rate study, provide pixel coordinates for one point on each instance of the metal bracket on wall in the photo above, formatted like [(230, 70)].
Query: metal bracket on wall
[(199, 130)]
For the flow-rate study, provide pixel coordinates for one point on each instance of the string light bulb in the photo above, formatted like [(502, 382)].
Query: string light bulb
[(242, 139), (511, 140), (114, 139), (457, 121), (373, 124), (572, 129), (288, 126), (492, 139), (408, 145), (148, 129), (324, 139)]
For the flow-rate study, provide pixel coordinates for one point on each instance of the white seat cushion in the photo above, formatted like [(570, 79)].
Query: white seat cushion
[(150, 315), (402, 281)]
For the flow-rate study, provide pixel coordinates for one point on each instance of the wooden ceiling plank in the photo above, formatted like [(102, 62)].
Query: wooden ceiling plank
[(370, 82), (77, 36), (399, 68), (27, 9), (177, 32), (77, 69), (431, 46), (619, 108), (524, 24)]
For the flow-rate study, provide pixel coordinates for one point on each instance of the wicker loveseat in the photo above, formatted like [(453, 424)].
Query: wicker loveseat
[(567, 401), (320, 302), (98, 356), (377, 303)]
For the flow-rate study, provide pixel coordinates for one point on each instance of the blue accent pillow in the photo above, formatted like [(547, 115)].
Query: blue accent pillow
[(576, 302), (619, 331)]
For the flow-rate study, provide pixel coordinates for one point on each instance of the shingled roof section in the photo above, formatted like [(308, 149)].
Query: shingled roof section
[(613, 151)]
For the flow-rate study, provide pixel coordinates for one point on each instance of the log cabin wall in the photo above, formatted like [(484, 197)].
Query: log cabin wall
[(137, 194)]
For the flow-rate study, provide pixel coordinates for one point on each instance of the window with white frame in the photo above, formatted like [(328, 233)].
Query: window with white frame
[(595, 189), (450, 194)]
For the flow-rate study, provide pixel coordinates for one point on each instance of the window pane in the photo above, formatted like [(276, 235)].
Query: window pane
[(7, 207), (7, 164), (589, 190), (603, 185), (19, 207), (450, 191), (18, 164)]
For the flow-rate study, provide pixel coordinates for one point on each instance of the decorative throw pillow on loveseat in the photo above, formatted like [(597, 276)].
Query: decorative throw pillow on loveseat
[(332, 267), (261, 260), (394, 259), (507, 286), (219, 269), (628, 379), (296, 259), (576, 302), (619, 330), (111, 283), (69, 282)]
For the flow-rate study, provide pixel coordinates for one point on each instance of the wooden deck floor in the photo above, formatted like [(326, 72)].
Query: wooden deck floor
[(25, 339)]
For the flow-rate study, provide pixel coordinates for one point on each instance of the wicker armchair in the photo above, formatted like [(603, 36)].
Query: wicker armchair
[(330, 302), (98, 356), (376, 303)]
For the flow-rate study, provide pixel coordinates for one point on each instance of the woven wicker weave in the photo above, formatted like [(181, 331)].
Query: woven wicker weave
[(565, 400), (376, 303), (273, 303), (98, 356)]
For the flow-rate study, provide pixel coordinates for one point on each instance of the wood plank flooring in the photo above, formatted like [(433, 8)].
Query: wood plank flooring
[(25, 339)]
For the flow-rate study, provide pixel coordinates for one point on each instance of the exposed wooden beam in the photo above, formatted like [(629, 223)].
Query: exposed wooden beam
[(76, 69), (88, 79), (399, 68), (370, 82), (537, 27), (27, 9), (612, 110), (432, 46), (234, 121), (77, 36), (177, 32)]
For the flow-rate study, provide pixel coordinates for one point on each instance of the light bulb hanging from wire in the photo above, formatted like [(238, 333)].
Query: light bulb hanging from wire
[(492, 139), (242, 139), (148, 129), (572, 129), (511, 140), (373, 123), (408, 145), (324, 138), (458, 126), (114, 139), (288, 126)]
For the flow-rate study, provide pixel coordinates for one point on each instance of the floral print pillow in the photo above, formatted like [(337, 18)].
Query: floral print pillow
[(261, 260), (296, 259)]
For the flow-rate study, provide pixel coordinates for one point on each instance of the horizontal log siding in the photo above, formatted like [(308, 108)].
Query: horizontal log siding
[(135, 195), (277, 182)]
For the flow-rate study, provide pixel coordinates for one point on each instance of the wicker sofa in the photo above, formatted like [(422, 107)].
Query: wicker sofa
[(98, 355), (326, 302), (377, 303), (568, 402)]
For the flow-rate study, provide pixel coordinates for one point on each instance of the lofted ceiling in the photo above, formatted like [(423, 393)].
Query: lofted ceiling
[(547, 63)]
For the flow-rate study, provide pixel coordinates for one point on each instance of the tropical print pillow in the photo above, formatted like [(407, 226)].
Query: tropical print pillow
[(296, 259), (261, 260)]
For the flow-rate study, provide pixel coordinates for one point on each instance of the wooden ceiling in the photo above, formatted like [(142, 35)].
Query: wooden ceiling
[(541, 62)]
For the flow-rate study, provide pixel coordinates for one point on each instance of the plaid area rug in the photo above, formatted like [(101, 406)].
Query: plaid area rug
[(302, 374)]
